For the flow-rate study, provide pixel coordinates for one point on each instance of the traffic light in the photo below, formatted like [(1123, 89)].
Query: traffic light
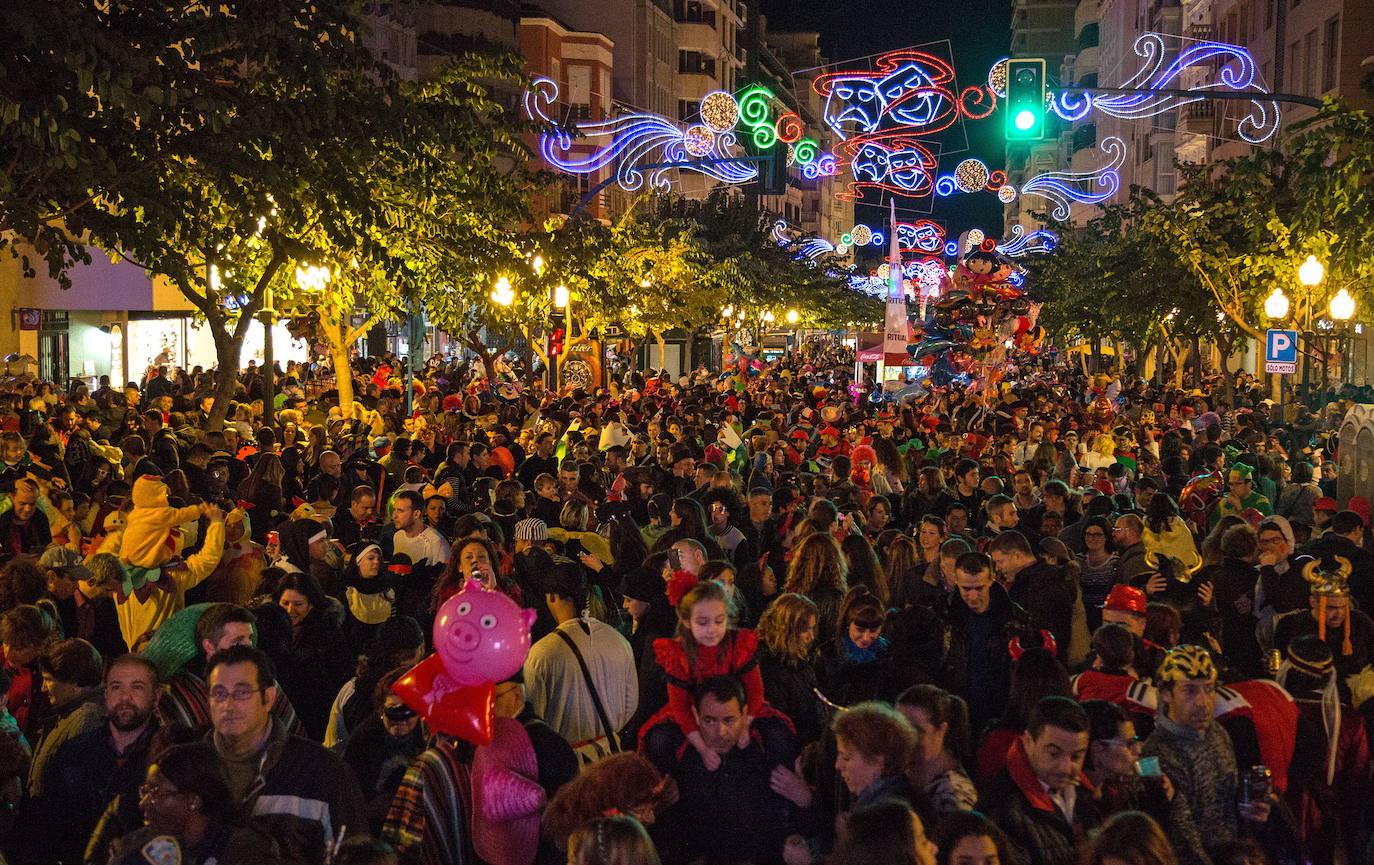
[(1026, 99), (773, 171), (556, 342)]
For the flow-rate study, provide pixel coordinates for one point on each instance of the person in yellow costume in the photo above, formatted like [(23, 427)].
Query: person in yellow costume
[(149, 548), (1242, 499)]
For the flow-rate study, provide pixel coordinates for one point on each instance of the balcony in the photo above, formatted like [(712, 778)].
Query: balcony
[(1199, 117), (696, 36)]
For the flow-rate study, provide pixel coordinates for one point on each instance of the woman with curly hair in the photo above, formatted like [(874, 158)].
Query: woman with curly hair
[(787, 639), (818, 570), (624, 783)]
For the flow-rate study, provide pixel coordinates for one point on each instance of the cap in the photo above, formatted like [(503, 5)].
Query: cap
[(1126, 599), (643, 584), (531, 529), (59, 557), (1326, 503), (381, 442), (1187, 662)]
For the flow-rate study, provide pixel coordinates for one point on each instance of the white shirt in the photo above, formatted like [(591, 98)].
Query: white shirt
[(1065, 800), (556, 688), (428, 546)]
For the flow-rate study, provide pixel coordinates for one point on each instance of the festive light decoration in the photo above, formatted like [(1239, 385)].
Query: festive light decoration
[(719, 111), (814, 248), (806, 150), (971, 175), (895, 164), (1065, 188), (698, 140), (755, 105), (860, 235), (972, 238), (996, 179), (997, 78), (789, 127), (952, 248), (1021, 243), (1235, 70), (824, 165), (1006, 194), (910, 86), (923, 234), (628, 141)]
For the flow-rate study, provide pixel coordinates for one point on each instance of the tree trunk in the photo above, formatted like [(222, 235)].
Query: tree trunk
[(227, 350), (343, 371), (662, 349)]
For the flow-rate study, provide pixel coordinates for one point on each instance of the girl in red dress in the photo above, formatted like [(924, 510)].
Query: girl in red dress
[(706, 646)]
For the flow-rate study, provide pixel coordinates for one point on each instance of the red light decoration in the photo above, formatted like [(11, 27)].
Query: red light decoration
[(997, 179), (790, 128)]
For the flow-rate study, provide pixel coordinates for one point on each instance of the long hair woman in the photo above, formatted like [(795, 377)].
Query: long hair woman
[(787, 642), (819, 571)]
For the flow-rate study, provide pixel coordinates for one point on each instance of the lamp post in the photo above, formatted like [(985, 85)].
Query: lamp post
[(1310, 273), (562, 299), (1342, 309), (1276, 308)]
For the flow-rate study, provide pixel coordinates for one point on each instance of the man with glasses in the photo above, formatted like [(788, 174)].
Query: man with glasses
[(1241, 496), (299, 790), (1128, 538), (186, 700)]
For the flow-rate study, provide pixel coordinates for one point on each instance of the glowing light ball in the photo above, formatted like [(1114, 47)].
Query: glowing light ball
[(719, 111), (971, 175), (1006, 194), (697, 140), (861, 235), (997, 78)]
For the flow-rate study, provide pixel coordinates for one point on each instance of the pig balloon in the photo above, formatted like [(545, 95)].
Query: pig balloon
[(480, 637)]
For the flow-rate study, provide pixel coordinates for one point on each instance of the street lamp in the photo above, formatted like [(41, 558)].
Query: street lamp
[(538, 265), (1276, 304), (502, 293), (769, 317), (1311, 271), (793, 316), (560, 297), (1342, 306)]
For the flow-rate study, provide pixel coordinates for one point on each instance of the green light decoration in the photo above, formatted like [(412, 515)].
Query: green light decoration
[(755, 106), (806, 150)]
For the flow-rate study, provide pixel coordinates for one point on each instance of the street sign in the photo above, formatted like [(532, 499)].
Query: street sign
[(1281, 351)]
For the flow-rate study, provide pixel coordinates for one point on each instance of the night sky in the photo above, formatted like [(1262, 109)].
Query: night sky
[(979, 33)]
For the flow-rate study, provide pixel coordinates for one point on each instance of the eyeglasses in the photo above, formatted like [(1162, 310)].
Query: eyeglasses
[(1132, 743), (152, 792), (238, 695)]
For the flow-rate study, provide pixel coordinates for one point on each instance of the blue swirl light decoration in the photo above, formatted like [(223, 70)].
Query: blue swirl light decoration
[(1066, 188), (1021, 243), (630, 140), (1236, 71)]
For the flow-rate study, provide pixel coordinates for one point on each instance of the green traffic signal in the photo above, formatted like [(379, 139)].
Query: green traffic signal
[(1025, 99)]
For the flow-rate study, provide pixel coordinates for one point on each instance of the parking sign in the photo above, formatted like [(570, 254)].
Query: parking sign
[(1281, 351)]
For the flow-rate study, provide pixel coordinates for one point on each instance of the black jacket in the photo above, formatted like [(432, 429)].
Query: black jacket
[(106, 637), (1037, 835), (316, 669), (1048, 599), (788, 686), (977, 663)]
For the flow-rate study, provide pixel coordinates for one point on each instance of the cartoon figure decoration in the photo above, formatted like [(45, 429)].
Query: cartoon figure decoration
[(982, 323), (480, 637)]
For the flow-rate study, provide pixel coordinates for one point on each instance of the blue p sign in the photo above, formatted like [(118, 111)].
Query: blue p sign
[(1281, 346)]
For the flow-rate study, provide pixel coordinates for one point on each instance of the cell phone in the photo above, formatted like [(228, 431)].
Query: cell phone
[(674, 559), (1148, 767)]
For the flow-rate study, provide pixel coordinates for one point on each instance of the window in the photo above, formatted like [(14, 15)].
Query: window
[(1088, 36), (688, 110), (1294, 66), (1309, 62), (694, 12), (1330, 54), (694, 62)]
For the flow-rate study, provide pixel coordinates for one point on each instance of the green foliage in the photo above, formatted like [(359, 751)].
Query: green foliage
[(1235, 230)]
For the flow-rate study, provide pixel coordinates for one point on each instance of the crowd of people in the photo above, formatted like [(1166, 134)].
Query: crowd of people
[(779, 618)]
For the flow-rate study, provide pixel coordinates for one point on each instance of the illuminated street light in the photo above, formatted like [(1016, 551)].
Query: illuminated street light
[(727, 311), (768, 316), (538, 265), (1311, 271), (560, 297), (503, 293), (792, 316), (312, 278), (1276, 304), (1342, 306)]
